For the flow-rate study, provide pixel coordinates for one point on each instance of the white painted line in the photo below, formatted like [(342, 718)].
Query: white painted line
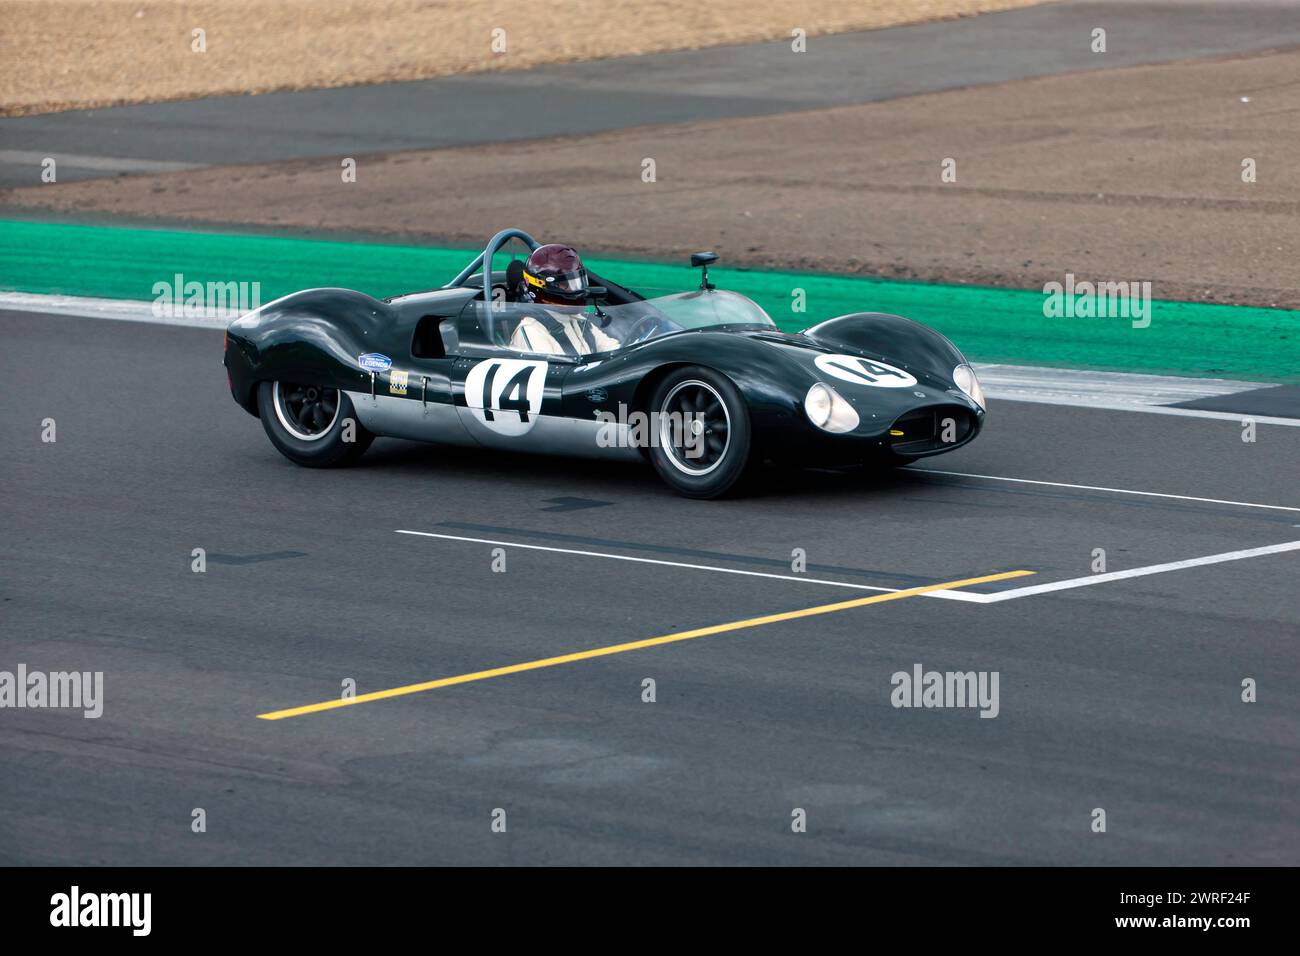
[(1081, 385), (1159, 410), (972, 597), (126, 310), (1117, 491), (674, 564), (1116, 391), (946, 595), (112, 164), (1130, 573)]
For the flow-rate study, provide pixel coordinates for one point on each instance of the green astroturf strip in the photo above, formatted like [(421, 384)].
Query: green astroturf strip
[(989, 325)]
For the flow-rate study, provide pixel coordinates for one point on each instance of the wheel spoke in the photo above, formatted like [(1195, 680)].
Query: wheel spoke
[(699, 406)]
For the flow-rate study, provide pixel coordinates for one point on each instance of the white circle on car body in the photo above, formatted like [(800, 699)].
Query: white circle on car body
[(506, 394), (862, 371)]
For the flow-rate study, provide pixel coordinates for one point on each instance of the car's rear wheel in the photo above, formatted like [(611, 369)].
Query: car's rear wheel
[(311, 425), (700, 443)]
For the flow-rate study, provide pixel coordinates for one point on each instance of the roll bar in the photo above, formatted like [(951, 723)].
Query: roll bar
[(484, 260)]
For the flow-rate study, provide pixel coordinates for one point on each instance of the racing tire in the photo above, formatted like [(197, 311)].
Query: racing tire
[(309, 424), (700, 443)]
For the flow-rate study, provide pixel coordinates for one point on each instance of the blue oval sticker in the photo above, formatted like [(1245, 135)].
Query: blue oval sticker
[(374, 362)]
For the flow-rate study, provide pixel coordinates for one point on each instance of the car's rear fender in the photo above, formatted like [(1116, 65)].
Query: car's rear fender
[(313, 336)]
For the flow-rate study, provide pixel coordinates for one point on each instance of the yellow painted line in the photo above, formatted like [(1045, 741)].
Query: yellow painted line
[(630, 646)]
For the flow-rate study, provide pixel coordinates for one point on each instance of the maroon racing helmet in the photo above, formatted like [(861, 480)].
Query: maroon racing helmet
[(554, 274)]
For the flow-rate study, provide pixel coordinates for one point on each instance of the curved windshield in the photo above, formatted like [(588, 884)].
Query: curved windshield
[(637, 322), (577, 331), (686, 310)]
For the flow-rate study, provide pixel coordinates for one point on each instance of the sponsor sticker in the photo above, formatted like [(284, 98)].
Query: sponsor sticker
[(597, 395), (861, 371), (397, 382), (374, 362)]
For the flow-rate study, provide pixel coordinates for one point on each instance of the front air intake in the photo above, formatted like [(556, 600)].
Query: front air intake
[(930, 429)]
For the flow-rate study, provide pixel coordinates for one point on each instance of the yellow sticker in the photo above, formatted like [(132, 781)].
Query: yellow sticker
[(397, 382)]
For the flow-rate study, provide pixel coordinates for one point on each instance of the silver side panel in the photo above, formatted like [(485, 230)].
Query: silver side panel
[(405, 418), (435, 422), (553, 435)]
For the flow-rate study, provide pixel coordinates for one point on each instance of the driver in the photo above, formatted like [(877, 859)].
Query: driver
[(555, 279)]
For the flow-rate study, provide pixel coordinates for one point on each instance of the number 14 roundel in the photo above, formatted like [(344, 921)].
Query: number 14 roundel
[(506, 394)]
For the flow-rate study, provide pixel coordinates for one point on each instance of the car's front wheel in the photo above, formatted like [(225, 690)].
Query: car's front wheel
[(311, 425), (700, 432)]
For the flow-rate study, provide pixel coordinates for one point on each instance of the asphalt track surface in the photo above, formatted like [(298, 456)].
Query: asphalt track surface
[(1123, 695), (579, 98)]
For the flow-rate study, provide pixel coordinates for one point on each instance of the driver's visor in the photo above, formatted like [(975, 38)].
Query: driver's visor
[(574, 281)]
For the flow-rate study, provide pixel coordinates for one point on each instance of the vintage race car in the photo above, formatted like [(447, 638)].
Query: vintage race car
[(702, 384)]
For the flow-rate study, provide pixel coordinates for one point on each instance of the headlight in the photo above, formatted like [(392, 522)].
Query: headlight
[(966, 380), (828, 411)]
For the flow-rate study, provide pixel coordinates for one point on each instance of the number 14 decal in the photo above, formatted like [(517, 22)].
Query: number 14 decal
[(506, 394)]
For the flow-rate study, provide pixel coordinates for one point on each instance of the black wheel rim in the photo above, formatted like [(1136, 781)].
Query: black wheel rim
[(695, 428), (306, 411)]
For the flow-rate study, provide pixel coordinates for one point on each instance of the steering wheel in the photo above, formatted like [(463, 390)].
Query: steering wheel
[(649, 326)]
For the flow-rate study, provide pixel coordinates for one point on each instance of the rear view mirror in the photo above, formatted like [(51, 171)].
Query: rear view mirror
[(701, 261)]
